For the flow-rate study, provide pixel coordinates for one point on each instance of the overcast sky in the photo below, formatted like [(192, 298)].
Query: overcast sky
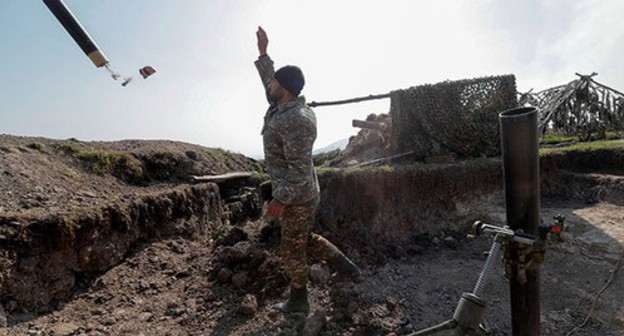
[(207, 91)]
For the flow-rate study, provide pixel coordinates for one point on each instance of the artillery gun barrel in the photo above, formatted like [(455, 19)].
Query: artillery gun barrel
[(77, 32), (519, 142)]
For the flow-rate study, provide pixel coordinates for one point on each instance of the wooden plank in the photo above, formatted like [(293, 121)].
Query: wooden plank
[(221, 178), (374, 125)]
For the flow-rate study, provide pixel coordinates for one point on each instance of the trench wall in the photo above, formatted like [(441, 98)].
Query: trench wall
[(376, 211), (42, 259)]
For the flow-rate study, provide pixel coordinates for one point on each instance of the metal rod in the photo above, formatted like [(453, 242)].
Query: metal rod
[(519, 142), (489, 266)]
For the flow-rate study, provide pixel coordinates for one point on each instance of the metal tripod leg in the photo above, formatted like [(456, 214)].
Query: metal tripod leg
[(470, 309), (446, 325)]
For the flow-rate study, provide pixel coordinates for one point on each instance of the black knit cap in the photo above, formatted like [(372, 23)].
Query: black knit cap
[(290, 78)]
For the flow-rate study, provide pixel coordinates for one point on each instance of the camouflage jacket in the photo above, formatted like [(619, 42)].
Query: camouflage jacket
[(288, 135)]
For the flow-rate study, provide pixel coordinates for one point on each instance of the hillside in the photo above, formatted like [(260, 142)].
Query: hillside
[(40, 175)]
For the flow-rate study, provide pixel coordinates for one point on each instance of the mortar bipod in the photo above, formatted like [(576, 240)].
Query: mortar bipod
[(467, 317)]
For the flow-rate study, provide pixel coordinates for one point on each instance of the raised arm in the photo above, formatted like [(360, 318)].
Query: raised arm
[(263, 41), (264, 64)]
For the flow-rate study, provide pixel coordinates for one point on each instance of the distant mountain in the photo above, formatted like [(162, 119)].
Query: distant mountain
[(340, 144)]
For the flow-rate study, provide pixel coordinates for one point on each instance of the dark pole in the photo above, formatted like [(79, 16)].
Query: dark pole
[(77, 32), (519, 141), (349, 101)]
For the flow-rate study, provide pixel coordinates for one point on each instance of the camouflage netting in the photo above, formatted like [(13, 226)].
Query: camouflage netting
[(582, 107), (453, 117)]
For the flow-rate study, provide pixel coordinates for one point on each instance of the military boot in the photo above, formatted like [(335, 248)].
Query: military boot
[(297, 303), (345, 269)]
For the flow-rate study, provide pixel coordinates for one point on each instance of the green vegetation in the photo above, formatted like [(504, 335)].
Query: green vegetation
[(370, 169), (615, 135), (221, 231), (99, 162), (585, 146), (123, 166), (386, 168), (128, 168), (323, 169), (67, 147), (553, 139), (37, 146)]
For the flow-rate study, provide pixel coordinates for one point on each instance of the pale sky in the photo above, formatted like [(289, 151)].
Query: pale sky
[(207, 91)]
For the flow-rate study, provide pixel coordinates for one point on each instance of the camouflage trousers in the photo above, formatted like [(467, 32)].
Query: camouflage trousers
[(298, 242)]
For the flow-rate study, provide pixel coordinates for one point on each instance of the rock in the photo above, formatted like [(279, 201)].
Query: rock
[(240, 279), (315, 323), (288, 332), (320, 273), (177, 247), (108, 320), (120, 314), (352, 307), (234, 255), (392, 303), (400, 252), (417, 249), (232, 236), (450, 242), (65, 328), (224, 275), (406, 329), (249, 305), (258, 256)]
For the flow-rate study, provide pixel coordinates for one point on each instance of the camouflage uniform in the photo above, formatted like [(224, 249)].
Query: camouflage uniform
[(288, 134)]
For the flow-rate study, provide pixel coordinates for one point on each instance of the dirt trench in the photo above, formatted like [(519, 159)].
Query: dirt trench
[(171, 265)]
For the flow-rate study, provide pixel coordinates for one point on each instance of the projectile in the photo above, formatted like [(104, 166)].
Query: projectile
[(77, 32)]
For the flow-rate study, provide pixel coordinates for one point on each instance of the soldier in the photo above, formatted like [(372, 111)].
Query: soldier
[(288, 135)]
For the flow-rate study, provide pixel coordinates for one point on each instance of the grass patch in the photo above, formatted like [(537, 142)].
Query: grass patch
[(553, 139), (67, 147), (370, 169), (123, 166), (38, 147), (98, 161), (324, 169), (585, 146)]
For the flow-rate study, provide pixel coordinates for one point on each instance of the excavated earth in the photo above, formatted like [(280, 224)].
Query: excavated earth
[(123, 244)]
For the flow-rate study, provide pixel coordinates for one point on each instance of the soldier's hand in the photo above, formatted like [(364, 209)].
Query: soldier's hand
[(274, 209), (263, 41)]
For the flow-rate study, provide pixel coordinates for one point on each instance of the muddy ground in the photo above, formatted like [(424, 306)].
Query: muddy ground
[(165, 287), (227, 281)]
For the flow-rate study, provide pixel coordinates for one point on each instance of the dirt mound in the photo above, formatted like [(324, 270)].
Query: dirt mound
[(40, 175), (368, 144), (72, 209)]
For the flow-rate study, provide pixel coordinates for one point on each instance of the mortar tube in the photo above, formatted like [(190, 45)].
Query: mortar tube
[(76, 31), (519, 143)]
